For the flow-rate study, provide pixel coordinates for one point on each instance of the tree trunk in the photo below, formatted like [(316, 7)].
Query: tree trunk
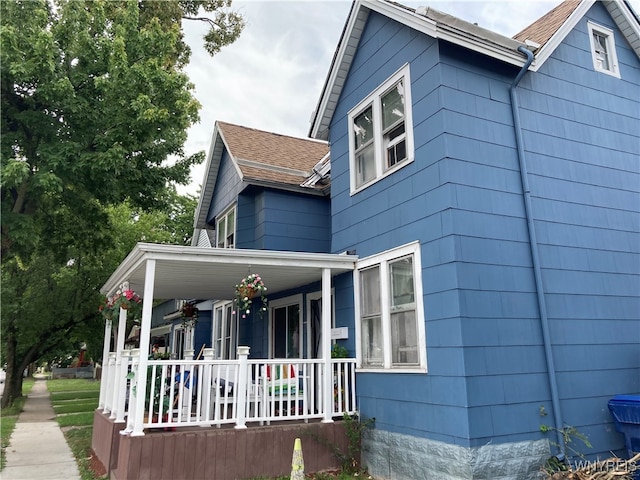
[(13, 380)]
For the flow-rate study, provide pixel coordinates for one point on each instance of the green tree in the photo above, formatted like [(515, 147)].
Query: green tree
[(95, 109)]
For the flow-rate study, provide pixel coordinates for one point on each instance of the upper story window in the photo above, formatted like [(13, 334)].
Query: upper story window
[(226, 229), (381, 132), (390, 327), (603, 49)]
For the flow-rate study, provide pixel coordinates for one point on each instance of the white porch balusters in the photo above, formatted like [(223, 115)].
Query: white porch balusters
[(121, 385), (104, 375), (241, 388), (122, 327), (145, 334), (108, 399), (327, 375), (131, 416)]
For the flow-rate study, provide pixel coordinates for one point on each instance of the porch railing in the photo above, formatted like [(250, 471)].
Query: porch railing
[(208, 392)]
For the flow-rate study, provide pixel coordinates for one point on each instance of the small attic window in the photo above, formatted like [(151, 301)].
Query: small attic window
[(603, 50)]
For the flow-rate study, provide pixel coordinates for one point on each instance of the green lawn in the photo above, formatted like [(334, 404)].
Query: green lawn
[(72, 385), (74, 401), (9, 417), (74, 407)]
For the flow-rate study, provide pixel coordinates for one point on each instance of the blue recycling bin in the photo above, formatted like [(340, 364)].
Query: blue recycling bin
[(626, 415)]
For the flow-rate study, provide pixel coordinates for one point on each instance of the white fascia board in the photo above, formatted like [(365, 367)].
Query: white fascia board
[(442, 31), (627, 22), (356, 16), (545, 52), (210, 177), (233, 158)]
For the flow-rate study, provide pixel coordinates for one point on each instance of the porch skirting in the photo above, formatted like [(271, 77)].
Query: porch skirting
[(105, 439), (395, 456), (215, 453)]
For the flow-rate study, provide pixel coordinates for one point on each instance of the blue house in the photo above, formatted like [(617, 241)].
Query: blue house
[(501, 176), (465, 220)]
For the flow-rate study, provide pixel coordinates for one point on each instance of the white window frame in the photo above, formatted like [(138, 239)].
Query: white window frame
[(224, 217), (307, 320), (187, 341), (610, 44), (228, 345), (382, 260), (283, 303), (374, 101)]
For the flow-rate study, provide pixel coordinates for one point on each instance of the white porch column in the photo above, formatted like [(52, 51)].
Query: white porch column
[(327, 379), (145, 334), (121, 385), (135, 358), (104, 375), (241, 388), (117, 394), (208, 356)]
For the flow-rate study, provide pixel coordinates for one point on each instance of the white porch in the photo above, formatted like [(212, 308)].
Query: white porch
[(146, 393)]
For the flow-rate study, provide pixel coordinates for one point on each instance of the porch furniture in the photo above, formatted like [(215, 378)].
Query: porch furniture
[(283, 391)]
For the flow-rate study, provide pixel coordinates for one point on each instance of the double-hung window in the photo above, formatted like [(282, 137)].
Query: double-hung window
[(380, 131), (603, 49), (226, 229), (390, 327)]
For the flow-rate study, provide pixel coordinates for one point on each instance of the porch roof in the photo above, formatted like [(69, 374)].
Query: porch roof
[(196, 272)]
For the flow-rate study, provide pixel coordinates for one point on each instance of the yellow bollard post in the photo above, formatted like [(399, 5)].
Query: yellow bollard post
[(297, 462)]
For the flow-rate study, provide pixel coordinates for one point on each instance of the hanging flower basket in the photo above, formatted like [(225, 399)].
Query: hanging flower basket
[(107, 309), (189, 313), (250, 287), (127, 300)]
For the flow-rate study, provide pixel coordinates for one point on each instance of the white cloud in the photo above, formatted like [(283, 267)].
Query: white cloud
[(272, 76)]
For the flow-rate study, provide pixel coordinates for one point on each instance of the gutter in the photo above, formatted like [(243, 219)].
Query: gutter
[(533, 242)]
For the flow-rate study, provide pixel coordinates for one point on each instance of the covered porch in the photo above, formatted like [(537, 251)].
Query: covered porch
[(140, 395)]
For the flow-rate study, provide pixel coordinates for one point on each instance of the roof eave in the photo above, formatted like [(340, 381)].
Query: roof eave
[(501, 48)]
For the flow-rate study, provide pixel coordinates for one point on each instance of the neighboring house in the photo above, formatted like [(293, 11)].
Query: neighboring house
[(474, 235)]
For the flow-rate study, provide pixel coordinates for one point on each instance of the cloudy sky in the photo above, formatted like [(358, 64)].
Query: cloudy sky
[(271, 77)]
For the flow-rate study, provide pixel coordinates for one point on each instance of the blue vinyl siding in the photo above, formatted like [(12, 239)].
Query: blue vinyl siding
[(462, 199), (582, 137), (276, 220), (228, 186)]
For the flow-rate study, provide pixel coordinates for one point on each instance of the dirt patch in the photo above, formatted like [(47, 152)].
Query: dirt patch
[(96, 465)]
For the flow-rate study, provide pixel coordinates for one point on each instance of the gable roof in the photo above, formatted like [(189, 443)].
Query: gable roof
[(549, 31), (543, 29), (261, 158)]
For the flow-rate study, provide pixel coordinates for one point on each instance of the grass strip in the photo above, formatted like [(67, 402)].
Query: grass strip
[(57, 397), (75, 408), (72, 385), (75, 419), (79, 441)]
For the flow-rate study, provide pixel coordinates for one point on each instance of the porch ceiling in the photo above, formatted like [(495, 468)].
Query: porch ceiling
[(212, 273)]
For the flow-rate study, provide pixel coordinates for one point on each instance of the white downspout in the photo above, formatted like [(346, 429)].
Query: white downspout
[(145, 335)]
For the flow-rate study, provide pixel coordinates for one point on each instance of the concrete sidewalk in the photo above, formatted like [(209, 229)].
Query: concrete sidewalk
[(37, 449)]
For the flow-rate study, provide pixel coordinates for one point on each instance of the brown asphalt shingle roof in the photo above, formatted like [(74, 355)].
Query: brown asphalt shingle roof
[(271, 157), (543, 29)]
